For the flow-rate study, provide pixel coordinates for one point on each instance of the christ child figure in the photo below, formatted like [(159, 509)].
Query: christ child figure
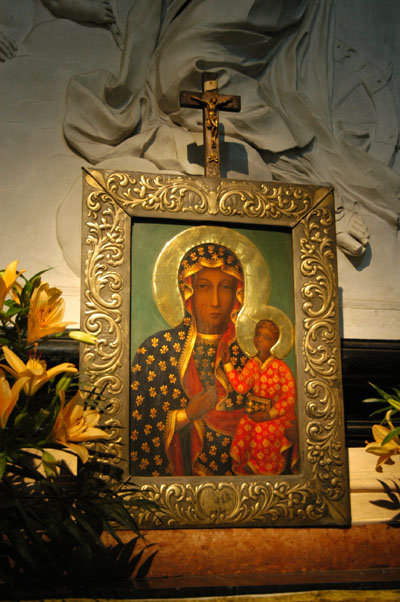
[(267, 431)]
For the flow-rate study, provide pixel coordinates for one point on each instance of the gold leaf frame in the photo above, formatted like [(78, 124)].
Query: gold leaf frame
[(319, 495)]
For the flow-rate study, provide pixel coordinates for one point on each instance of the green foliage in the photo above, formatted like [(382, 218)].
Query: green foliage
[(52, 529), (14, 316), (52, 521), (29, 425), (32, 418), (390, 408)]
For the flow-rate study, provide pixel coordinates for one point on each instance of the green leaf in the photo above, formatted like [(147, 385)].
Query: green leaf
[(63, 383), (380, 411), (86, 525), (14, 310), (75, 532), (381, 392), (29, 522), (23, 420), (394, 403), (3, 463), (42, 415), (49, 464), (19, 544), (38, 274), (391, 435)]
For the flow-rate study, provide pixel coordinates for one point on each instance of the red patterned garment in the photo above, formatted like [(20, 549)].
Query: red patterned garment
[(258, 447)]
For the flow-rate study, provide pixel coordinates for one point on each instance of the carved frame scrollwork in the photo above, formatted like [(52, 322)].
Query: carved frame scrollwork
[(318, 495)]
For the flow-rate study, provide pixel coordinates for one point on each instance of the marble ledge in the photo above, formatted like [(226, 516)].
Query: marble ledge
[(367, 488)]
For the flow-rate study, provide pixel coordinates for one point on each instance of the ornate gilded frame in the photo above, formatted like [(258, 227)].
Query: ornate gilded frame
[(318, 496)]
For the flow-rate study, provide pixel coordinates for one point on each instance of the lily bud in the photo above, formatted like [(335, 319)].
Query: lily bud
[(83, 337), (63, 383)]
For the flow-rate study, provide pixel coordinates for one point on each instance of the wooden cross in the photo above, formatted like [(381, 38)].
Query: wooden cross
[(211, 102)]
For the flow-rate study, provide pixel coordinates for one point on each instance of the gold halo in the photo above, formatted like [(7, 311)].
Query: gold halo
[(165, 274), (246, 328)]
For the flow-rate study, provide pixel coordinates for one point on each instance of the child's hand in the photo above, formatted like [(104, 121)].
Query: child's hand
[(264, 415), (260, 416), (225, 355)]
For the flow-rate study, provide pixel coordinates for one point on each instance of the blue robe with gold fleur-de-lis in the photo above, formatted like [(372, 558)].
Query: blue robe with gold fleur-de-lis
[(169, 368)]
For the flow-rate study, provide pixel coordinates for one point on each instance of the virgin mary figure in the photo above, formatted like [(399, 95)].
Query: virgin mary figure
[(183, 411)]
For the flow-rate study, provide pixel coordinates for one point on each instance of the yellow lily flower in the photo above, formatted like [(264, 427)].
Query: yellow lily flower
[(7, 279), (34, 369), (74, 424), (45, 313), (15, 292), (385, 452), (9, 396)]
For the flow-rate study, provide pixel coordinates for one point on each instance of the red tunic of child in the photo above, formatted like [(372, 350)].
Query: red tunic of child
[(258, 447)]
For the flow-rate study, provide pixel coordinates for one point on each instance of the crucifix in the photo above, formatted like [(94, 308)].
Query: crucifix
[(211, 102)]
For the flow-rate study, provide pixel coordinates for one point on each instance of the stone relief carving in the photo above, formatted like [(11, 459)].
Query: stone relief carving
[(288, 124), (95, 12), (331, 120)]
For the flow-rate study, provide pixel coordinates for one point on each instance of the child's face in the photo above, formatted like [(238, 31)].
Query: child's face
[(264, 338)]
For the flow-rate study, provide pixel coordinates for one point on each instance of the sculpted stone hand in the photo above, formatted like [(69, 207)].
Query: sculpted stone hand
[(352, 233), (202, 403), (8, 47), (99, 12), (90, 11)]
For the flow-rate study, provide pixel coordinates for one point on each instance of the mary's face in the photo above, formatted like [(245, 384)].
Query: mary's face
[(213, 300)]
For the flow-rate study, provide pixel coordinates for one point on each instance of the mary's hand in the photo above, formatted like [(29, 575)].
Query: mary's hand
[(225, 354), (202, 403)]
